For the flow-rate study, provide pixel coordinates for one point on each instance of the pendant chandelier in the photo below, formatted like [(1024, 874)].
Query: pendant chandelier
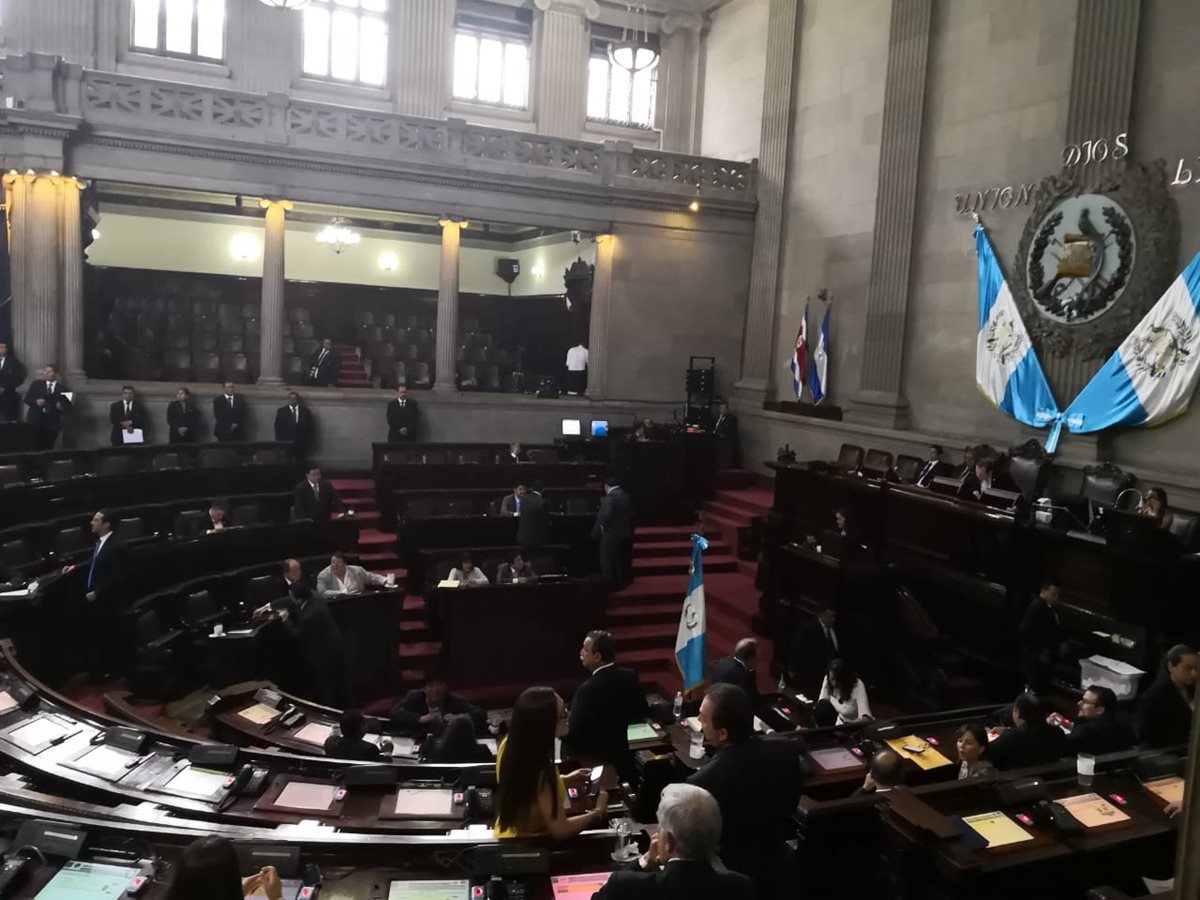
[(339, 235), (634, 52), (286, 4)]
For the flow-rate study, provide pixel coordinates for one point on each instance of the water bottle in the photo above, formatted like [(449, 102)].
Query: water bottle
[(677, 709)]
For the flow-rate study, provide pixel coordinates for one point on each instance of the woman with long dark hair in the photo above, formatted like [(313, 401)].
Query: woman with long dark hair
[(844, 691), (456, 744), (208, 870), (972, 745), (531, 793)]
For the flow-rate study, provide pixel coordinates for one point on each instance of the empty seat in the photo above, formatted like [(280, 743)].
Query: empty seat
[(419, 374), (60, 469), (389, 320), (233, 343), (190, 523), (302, 329), (289, 344), (202, 308), (203, 326), (235, 367), (201, 610), (299, 314), (217, 457), (306, 347), (293, 370), (15, 553), (206, 366), (908, 467), (177, 365), (70, 541), (396, 375), (370, 333), (10, 475), (167, 460), (877, 461), (180, 341), (262, 589), (490, 378), (253, 328), (131, 529), (850, 457), (467, 378), (249, 310), (116, 464), (244, 514)]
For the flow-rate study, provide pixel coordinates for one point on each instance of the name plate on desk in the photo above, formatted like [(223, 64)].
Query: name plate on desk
[(997, 829)]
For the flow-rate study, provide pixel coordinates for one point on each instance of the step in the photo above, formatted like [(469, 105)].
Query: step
[(634, 637), (383, 559), (663, 565), (353, 484), (421, 650), (663, 532), (649, 660), (751, 500), (370, 537), (724, 510), (636, 613), (367, 515), (360, 501), (681, 548)]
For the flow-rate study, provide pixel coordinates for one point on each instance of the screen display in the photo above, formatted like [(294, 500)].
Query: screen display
[(571, 428), (641, 731), (424, 802), (36, 732), (599, 428), (578, 887), (306, 795), (451, 889), (87, 881)]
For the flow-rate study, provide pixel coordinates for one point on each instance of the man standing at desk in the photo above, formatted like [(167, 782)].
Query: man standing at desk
[(533, 526), (48, 403), (1031, 742), (604, 706), (315, 498), (317, 644), (757, 786), (126, 416), (1041, 638), (739, 669), (614, 529), (294, 425), (229, 415), (402, 417), (108, 566)]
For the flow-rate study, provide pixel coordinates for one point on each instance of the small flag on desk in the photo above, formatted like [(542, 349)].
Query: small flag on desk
[(819, 382), (799, 364), (691, 643)]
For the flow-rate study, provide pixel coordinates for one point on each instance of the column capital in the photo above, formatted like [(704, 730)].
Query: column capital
[(268, 203), (588, 9), (605, 237), (461, 224), (677, 20)]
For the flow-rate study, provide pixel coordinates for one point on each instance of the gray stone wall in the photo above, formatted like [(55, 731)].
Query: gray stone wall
[(734, 72)]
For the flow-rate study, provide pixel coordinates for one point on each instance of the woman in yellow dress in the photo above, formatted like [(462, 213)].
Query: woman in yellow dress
[(532, 796)]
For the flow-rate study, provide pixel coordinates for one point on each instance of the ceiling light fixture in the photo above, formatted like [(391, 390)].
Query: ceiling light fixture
[(286, 4), (339, 235), (634, 52), (389, 261), (244, 247)]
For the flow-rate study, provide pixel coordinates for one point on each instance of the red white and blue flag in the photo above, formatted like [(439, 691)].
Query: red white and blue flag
[(800, 355)]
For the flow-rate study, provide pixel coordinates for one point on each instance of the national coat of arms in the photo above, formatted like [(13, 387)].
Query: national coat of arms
[(1166, 345), (1004, 341)]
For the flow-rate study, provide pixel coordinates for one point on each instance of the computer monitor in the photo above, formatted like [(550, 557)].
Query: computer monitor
[(599, 428), (571, 428)]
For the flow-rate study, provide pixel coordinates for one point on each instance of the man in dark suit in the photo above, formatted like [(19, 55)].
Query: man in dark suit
[(314, 498), (1165, 710), (125, 415), (48, 403), (1096, 729), (604, 706), (515, 454), (533, 525), (725, 428), (1041, 638), (614, 530), (422, 711), (323, 366), (402, 417), (351, 743), (757, 785), (183, 419), (103, 598), (229, 415), (816, 645), (1032, 741), (12, 374), (739, 669), (679, 863), (294, 425), (934, 466), (317, 647)]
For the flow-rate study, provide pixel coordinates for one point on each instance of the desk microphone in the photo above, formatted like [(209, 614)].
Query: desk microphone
[(1043, 504)]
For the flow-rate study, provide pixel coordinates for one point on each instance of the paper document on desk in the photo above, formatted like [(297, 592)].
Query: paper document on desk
[(997, 829), (1092, 810), (136, 436), (762, 727), (928, 759), (1169, 789), (448, 583), (259, 713)]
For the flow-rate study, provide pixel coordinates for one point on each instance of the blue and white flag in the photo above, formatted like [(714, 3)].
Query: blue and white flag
[(819, 382), (1007, 369), (1151, 377), (691, 643), (799, 364)]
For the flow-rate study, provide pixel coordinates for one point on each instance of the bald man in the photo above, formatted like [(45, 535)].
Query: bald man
[(740, 668)]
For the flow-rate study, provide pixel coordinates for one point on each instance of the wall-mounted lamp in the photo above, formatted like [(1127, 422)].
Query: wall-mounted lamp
[(244, 247), (389, 261), (538, 269)]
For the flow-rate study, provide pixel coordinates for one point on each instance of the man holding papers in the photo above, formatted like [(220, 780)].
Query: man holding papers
[(128, 418)]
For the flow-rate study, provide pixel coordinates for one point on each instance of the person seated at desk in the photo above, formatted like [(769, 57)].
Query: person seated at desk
[(1165, 711), (1041, 637), (422, 711), (530, 793), (516, 572), (209, 869), (756, 784), (456, 744), (516, 453), (604, 706), (739, 669), (1096, 729), (350, 744), (316, 499), (843, 697), (510, 505), (467, 575), (679, 863), (933, 465), (217, 511), (1154, 507), (979, 479), (1031, 741), (338, 578), (886, 773), (972, 744)]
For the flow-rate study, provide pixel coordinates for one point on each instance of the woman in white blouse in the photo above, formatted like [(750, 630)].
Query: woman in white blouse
[(843, 690)]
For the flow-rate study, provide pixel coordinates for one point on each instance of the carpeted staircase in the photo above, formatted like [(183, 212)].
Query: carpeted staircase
[(350, 368)]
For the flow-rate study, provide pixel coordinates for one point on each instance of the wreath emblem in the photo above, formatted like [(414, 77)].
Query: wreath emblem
[(1004, 341), (1164, 347)]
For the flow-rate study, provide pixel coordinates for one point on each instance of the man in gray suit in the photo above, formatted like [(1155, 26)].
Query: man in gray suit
[(614, 530), (338, 578), (511, 504)]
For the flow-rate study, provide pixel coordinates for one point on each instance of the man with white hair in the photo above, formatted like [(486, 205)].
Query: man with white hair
[(679, 863)]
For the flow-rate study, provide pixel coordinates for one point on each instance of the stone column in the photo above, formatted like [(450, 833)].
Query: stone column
[(562, 66), (35, 216), (880, 398), (680, 65), (447, 308), (606, 246), (424, 57), (270, 340), (72, 280), (758, 337)]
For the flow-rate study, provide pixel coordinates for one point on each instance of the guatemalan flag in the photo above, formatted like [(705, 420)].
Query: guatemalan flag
[(1007, 369), (800, 355), (1151, 377), (819, 383), (691, 643)]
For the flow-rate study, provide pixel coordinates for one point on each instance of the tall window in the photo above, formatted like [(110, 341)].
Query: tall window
[(346, 40), (491, 53), (192, 29), (614, 95)]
